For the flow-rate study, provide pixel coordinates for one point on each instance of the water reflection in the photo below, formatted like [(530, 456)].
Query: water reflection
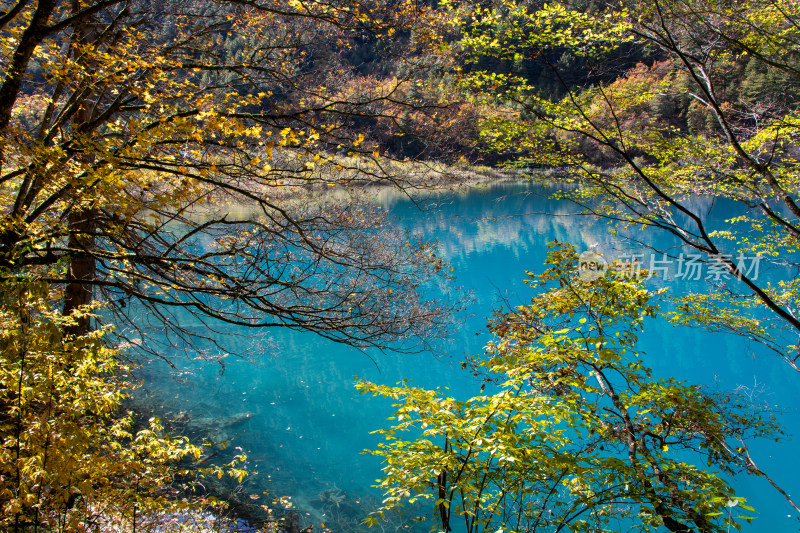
[(305, 426)]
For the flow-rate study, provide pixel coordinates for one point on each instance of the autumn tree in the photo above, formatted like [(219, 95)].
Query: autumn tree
[(176, 157), (646, 141), (574, 431), (129, 131), (70, 457)]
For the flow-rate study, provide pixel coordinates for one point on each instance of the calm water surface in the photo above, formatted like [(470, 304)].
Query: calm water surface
[(308, 424)]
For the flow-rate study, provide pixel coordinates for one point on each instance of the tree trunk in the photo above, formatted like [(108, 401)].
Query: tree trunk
[(81, 221), (82, 268)]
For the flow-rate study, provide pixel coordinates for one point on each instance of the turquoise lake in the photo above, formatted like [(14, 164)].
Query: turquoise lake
[(307, 425)]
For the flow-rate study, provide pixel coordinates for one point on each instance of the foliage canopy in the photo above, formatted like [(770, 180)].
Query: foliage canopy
[(161, 156), (579, 434), (130, 132), (711, 112), (70, 458)]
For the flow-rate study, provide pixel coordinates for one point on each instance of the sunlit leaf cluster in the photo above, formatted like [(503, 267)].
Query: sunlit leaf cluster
[(574, 431), (708, 115)]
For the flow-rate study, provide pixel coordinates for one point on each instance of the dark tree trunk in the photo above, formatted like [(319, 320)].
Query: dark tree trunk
[(82, 268), (81, 221)]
